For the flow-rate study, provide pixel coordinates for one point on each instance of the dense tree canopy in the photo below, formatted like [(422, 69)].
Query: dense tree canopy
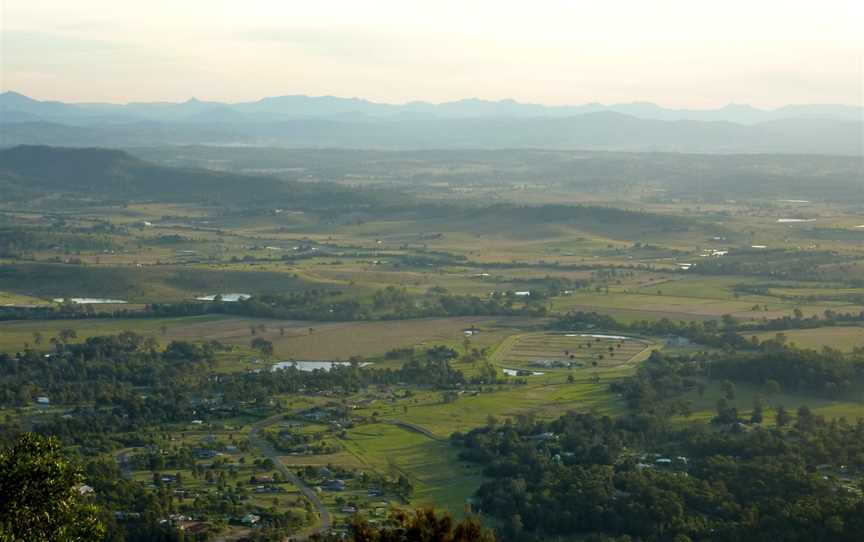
[(40, 498)]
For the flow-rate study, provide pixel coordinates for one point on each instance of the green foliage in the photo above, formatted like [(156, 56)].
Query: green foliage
[(422, 525), (637, 476), (40, 499)]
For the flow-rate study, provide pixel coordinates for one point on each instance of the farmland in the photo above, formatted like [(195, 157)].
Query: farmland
[(489, 305), (567, 350)]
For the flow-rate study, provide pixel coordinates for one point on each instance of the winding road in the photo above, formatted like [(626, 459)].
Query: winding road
[(268, 451)]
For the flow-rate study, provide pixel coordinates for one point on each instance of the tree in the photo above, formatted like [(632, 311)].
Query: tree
[(783, 418), (515, 526), (263, 346), (728, 388), (421, 526), (40, 498), (756, 416), (67, 334), (772, 387), (404, 487)]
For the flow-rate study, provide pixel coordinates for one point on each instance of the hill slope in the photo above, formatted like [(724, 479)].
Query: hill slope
[(106, 173)]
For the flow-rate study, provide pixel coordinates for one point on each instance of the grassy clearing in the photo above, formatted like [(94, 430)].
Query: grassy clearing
[(546, 397), (438, 476), (654, 306), (704, 407), (844, 338), (10, 298)]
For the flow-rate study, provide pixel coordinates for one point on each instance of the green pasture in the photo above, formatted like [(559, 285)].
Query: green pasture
[(844, 338), (703, 407), (439, 478)]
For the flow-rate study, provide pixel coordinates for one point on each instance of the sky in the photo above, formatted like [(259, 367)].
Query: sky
[(677, 53)]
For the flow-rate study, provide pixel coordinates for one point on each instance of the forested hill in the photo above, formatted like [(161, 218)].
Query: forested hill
[(107, 173)]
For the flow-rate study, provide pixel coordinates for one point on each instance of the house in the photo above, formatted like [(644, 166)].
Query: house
[(43, 400), (255, 479), (544, 436), (335, 485), (250, 519), (522, 293), (677, 341), (84, 489), (204, 453), (195, 527)]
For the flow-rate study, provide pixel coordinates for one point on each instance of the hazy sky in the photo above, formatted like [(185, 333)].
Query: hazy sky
[(681, 53)]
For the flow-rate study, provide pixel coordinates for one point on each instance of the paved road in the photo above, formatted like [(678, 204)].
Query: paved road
[(308, 492)]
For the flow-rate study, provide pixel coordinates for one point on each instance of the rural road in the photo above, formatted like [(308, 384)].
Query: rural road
[(308, 492)]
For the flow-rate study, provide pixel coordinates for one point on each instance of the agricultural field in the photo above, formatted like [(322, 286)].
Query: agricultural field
[(291, 339), (845, 338), (449, 307), (439, 478), (551, 351)]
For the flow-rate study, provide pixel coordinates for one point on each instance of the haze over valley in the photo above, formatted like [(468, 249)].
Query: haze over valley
[(431, 271)]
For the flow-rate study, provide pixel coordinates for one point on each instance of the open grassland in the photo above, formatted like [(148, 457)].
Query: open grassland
[(291, 338), (19, 300), (439, 478), (656, 305), (703, 406), (546, 396), (844, 338)]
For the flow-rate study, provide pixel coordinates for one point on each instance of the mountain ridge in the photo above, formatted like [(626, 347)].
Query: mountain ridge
[(304, 122), (304, 106)]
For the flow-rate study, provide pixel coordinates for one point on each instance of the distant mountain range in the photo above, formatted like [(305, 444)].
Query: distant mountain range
[(327, 121)]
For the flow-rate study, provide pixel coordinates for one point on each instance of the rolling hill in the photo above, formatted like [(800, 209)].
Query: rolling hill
[(107, 173)]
